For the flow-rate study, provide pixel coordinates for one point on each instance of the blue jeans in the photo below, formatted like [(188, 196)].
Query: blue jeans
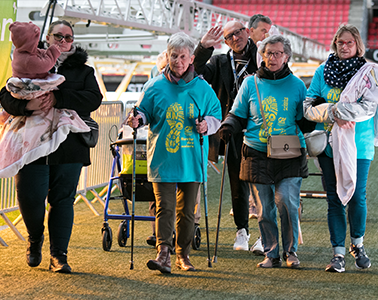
[(58, 183), (357, 208), (283, 195)]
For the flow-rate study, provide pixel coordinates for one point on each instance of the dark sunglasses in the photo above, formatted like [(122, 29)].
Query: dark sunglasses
[(58, 37)]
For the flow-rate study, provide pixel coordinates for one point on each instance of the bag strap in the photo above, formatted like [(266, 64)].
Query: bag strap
[(261, 107), (262, 111)]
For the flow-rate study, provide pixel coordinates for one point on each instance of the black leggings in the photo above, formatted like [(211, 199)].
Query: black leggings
[(58, 183)]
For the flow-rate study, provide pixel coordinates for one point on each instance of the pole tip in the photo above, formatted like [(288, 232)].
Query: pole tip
[(131, 265), (215, 259), (209, 263)]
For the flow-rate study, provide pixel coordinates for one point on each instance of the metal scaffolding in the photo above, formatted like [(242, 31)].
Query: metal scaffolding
[(165, 17)]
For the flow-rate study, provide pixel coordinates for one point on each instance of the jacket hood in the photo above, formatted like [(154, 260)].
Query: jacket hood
[(25, 36)]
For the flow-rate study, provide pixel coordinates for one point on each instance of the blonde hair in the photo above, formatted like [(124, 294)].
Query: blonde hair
[(356, 35)]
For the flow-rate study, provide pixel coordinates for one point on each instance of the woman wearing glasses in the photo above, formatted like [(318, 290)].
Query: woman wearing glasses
[(343, 94), (56, 176), (274, 183)]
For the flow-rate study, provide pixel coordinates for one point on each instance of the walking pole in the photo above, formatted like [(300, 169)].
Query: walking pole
[(220, 201), (204, 184), (133, 194)]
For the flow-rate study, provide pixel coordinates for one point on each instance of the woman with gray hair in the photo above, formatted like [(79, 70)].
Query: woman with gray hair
[(171, 104), (274, 183)]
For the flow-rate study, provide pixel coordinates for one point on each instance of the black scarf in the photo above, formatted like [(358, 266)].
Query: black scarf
[(241, 59), (264, 72), (337, 72)]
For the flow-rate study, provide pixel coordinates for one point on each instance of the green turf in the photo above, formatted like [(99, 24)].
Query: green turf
[(107, 275)]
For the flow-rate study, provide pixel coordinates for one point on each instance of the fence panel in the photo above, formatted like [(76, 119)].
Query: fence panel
[(97, 174)]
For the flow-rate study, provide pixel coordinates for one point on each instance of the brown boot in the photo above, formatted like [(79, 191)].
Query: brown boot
[(162, 261), (183, 263)]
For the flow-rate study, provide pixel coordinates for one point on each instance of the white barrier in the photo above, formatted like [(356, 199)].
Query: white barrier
[(8, 203), (110, 114)]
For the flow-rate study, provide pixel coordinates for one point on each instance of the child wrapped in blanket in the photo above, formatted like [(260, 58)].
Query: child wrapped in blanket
[(24, 139)]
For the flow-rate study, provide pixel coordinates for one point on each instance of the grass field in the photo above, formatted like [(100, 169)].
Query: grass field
[(106, 275)]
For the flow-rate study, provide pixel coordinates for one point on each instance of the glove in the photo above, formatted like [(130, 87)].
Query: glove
[(225, 133), (318, 100)]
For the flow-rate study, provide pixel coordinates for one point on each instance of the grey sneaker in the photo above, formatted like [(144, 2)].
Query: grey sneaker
[(270, 262), (358, 252), (291, 259), (337, 264), (257, 248)]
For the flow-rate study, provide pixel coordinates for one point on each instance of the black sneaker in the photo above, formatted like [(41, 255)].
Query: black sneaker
[(337, 264), (151, 240), (58, 263), (270, 262), (291, 259), (358, 252)]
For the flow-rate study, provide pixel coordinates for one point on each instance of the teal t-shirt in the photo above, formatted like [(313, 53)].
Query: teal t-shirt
[(173, 143), (282, 101), (364, 131)]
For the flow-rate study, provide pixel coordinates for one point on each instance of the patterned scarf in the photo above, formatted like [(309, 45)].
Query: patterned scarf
[(241, 59), (187, 76), (337, 72), (64, 55)]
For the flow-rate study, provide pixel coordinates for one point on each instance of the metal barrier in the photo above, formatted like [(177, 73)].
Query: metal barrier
[(8, 203), (96, 175)]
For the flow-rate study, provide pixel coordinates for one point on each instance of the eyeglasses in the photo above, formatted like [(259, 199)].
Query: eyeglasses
[(349, 44), (58, 37), (235, 33), (277, 54)]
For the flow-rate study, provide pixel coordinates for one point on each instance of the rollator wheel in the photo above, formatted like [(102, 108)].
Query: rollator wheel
[(196, 242), (122, 233), (106, 238)]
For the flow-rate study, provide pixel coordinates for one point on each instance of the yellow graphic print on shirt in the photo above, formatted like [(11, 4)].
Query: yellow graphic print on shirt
[(188, 141), (270, 111), (333, 95), (175, 120)]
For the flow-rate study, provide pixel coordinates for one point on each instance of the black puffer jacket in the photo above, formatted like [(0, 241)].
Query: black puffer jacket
[(79, 92)]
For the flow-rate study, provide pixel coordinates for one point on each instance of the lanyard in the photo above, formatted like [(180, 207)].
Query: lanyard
[(237, 76)]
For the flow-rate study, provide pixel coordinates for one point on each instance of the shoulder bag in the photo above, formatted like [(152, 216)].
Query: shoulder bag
[(90, 138), (316, 141), (279, 146)]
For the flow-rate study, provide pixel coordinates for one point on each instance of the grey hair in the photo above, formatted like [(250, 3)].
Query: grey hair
[(274, 39), (256, 19), (181, 40)]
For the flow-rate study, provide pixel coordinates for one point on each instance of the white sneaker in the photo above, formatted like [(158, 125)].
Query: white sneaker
[(241, 240), (257, 248), (231, 212)]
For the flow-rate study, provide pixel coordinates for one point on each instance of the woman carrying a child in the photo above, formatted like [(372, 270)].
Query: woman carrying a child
[(56, 175)]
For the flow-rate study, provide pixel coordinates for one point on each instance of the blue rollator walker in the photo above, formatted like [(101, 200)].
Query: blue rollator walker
[(134, 187)]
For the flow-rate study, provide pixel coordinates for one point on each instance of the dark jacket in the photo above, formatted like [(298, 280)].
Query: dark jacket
[(218, 73), (79, 92)]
